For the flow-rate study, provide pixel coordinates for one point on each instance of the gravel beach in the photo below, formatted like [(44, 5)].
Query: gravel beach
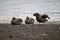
[(30, 32)]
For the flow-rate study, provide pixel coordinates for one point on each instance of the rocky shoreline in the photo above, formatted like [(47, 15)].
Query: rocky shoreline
[(30, 32)]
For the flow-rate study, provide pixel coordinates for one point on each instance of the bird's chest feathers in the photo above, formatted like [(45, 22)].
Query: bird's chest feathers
[(38, 18)]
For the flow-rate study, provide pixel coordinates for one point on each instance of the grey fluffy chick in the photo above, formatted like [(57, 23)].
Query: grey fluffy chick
[(29, 20), (16, 21)]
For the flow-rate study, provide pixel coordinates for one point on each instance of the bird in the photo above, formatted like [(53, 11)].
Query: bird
[(29, 20), (41, 18), (16, 21)]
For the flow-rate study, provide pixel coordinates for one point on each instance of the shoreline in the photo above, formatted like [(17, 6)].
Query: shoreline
[(30, 32)]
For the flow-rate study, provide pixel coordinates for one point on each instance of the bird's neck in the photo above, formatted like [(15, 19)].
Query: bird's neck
[(38, 17)]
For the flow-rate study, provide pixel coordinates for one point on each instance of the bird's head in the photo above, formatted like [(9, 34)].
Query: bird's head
[(27, 17), (13, 18), (36, 14)]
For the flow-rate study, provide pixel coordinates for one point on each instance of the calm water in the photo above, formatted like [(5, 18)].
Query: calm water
[(23, 8)]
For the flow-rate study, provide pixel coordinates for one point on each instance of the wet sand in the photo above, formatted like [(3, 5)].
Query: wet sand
[(30, 32)]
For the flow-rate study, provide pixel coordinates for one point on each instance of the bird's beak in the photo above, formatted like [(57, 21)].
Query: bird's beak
[(33, 14)]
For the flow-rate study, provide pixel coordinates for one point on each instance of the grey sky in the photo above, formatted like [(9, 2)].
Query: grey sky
[(23, 8)]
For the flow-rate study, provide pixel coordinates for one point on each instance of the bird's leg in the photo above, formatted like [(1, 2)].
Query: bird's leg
[(43, 23), (39, 24)]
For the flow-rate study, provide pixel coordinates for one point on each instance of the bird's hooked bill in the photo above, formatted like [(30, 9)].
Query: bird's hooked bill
[(33, 14), (48, 17)]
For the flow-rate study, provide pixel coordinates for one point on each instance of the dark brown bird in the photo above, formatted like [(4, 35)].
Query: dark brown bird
[(16, 21), (41, 18), (29, 20)]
